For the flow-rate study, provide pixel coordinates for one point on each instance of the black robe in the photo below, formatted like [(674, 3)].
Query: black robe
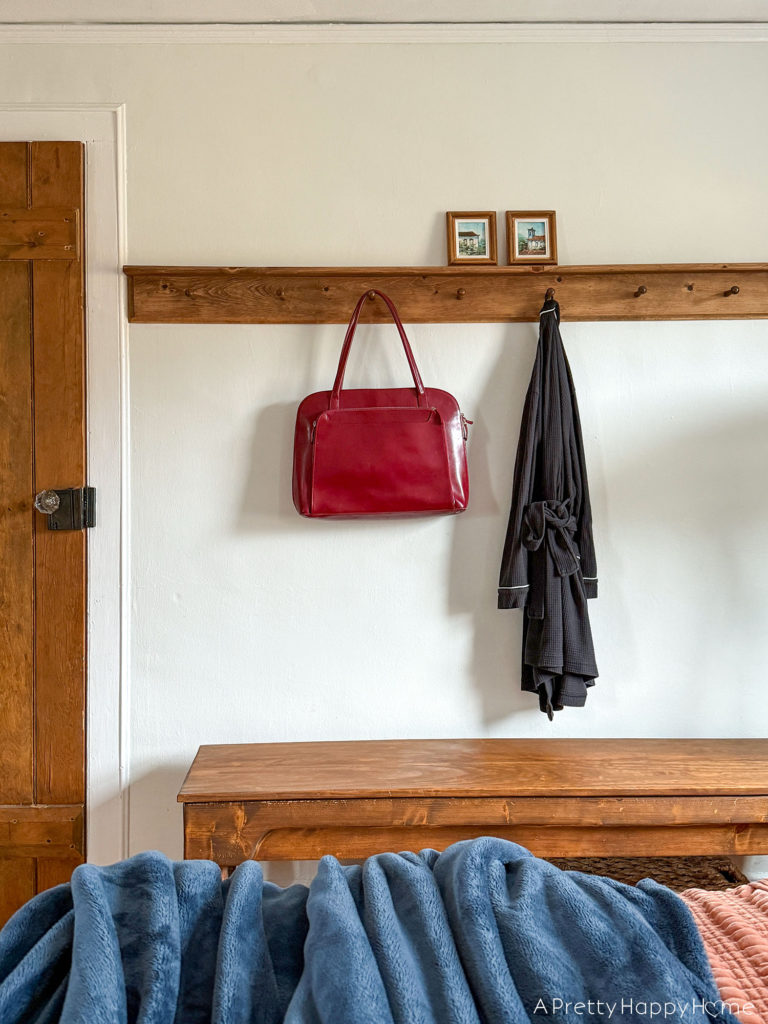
[(549, 565)]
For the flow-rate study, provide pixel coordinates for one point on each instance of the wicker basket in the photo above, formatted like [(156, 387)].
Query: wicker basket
[(677, 873)]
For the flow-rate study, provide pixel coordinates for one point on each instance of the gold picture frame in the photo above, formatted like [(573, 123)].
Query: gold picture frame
[(471, 238), (531, 237)]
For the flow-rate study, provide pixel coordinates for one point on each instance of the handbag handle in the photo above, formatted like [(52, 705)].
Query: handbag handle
[(421, 397)]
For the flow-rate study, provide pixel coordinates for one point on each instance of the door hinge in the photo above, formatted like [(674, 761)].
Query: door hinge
[(73, 508)]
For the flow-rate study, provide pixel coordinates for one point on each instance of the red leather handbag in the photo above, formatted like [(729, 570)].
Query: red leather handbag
[(379, 452)]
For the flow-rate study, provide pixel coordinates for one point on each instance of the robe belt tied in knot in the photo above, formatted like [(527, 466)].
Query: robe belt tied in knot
[(553, 522)]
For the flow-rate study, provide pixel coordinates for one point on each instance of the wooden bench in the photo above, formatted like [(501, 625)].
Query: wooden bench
[(559, 798)]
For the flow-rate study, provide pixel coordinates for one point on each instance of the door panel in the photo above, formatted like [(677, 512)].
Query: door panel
[(17, 549), (56, 179), (18, 880), (42, 572)]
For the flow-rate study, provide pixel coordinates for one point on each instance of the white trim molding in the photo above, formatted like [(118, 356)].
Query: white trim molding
[(88, 12), (102, 128), (403, 33)]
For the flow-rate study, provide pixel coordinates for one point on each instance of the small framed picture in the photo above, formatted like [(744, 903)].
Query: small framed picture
[(471, 238), (531, 236)]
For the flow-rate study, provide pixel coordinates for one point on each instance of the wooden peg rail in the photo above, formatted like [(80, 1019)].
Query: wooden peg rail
[(326, 295)]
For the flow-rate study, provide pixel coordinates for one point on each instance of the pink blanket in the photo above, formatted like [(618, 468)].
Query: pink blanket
[(734, 927)]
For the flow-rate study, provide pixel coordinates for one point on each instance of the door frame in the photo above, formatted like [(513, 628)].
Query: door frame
[(102, 128)]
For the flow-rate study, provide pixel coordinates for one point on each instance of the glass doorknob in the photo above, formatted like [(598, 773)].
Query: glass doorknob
[(47, 502)]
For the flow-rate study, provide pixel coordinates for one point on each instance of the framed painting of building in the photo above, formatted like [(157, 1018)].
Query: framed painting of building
[(471, 238), (531, 236)]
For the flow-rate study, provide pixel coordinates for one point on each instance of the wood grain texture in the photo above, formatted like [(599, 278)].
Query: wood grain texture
[(543, 841), (228, 833), (17, 885), (17, 875), (477, 767), (17, 613), (56, 179), (17, 560), (41, 830), (55, 871), (39, 234), (323, 295), (557, 797), (14, 181)]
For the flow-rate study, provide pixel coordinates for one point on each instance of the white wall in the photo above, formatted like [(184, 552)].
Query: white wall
[(249, 623)]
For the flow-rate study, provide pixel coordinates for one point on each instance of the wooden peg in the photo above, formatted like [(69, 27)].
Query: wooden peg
[(549, 294), (640, 291), (371, 295), (461, 293), (734, 290)]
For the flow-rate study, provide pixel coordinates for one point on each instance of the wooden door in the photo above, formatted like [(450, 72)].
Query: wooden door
[(42, 571)]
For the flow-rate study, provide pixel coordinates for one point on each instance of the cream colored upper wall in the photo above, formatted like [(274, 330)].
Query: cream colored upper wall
[(248, 623), (351, 154)]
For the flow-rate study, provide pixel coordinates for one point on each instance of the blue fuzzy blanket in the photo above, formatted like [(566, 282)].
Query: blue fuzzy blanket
[(483, 932)]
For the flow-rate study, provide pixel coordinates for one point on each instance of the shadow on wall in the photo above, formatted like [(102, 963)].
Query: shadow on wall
[(478, 534), (264, 505), (691, 509), (266, 502), (156, 820)]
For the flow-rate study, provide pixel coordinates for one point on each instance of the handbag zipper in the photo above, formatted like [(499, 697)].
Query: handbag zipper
[(465, 424)]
